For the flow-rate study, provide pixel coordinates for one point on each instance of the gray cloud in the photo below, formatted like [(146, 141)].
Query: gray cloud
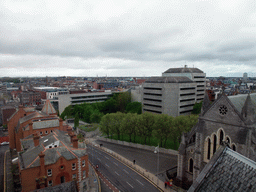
[(126, 39)]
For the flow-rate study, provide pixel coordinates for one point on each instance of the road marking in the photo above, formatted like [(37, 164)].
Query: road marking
[(129, 184), (116, 173), (139, 182), (107, 165), (125, 171), (115, 163), (106, 157), (98, 159)]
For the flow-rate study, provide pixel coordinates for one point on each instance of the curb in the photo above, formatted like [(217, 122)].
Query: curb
[(126, 164), (5, 172), (99, 186)]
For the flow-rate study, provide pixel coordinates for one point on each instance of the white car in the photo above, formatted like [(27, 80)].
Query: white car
[(5, 143)]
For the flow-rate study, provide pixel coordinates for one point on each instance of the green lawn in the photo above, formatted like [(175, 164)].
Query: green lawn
[(153, 141), (88, 128)]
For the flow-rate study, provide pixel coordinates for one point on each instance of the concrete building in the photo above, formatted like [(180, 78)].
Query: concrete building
[(175, 93), (169, 95), (73, 99), (195, 74)]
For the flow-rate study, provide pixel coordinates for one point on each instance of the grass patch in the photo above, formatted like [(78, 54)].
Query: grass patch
[(88, 128), (153, 141)]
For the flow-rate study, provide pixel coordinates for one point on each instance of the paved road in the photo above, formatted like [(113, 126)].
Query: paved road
[(2, 152), (144, 158), (124, 178)]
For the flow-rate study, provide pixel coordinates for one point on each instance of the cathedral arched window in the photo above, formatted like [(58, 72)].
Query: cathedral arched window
[(214, 143), (209, 148), (221, 137), (228, 140), (191, 165), (234, 147)]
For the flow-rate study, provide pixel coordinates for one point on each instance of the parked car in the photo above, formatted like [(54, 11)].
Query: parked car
[(5, 143)]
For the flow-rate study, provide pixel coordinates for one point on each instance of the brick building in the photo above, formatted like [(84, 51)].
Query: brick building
[(27, 120), (52, 160), (7, 112), (230, 120)]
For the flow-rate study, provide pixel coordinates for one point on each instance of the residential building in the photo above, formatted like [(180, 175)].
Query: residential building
[(26, 120), (52, 160)]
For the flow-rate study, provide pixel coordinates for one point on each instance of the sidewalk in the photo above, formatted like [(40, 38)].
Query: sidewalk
[(149, 176), (8, 177), (94, 184)]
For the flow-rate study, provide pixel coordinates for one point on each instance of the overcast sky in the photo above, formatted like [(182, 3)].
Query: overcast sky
[(126, 37)]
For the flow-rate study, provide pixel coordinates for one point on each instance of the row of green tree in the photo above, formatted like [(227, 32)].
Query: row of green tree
[(147, 126), (93, 112)]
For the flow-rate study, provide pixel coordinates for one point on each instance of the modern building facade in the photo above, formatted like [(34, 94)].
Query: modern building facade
[(73, 99), (175, 93), (195, 74), (169, 95)]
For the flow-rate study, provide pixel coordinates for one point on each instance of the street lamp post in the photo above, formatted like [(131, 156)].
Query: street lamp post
[(157, 151)]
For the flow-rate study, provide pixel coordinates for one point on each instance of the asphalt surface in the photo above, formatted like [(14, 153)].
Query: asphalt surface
[(2, 152), (121, 176), (144, 158)]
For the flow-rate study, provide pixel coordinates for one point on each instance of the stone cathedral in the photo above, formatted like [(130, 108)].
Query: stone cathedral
[(230, 120)]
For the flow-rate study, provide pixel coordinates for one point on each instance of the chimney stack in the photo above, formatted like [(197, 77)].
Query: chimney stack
[(30, 128), (42, 170), (61, 124), (36, 139), (75, 142), (69, 130)]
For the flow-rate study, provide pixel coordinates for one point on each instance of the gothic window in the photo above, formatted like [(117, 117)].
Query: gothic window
[(228, 140), (214, 143), (221, 137), (209, 149), (234, 147), (191, 165)]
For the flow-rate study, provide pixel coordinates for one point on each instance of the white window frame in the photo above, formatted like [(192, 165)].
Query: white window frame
[(41, 133), (73, 166), (49, 172), (50, 183), (83, 163), (46, 132), (51, 131), (84, 174)]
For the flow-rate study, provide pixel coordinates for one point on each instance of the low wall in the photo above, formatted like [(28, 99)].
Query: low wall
[(139, 146)]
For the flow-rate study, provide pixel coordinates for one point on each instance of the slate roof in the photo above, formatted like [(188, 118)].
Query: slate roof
[(226, 171), (183, 70), (30, 158), (239, 100), (64, 187), (168, 80), (48, 108), (45, 124)]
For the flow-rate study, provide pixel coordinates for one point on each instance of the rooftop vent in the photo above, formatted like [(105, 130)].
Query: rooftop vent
[(45, 140)]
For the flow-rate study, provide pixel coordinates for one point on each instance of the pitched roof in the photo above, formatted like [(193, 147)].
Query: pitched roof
[(48, 108), (226, 171), (29, 158), (168, 80), (183, 70), (239, 100)]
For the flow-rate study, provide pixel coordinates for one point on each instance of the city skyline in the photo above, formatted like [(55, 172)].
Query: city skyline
[(119, 38)]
